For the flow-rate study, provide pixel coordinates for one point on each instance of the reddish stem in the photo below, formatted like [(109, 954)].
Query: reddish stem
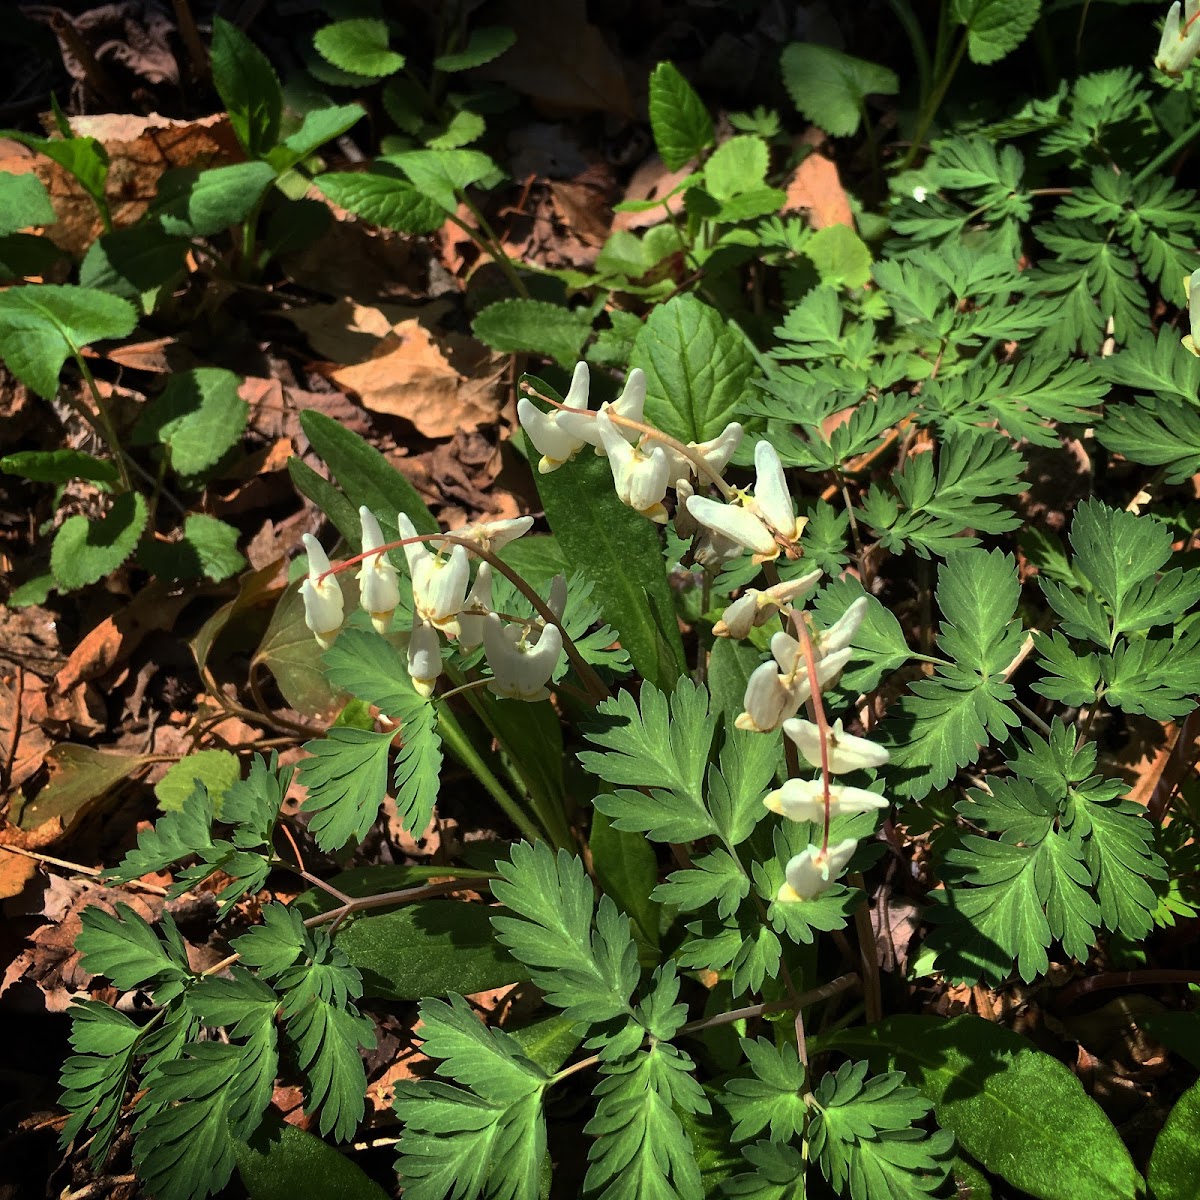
[(818, 710)]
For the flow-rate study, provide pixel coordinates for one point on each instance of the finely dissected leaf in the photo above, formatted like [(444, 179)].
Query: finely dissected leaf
[(1156, 433), (517, 326), (931, 514), (995, 28), (198, 417), (965, 704), (370, 668), (663, 747), (346, 778), (183, 1148), (247, 83), (879, 638), (484, 43), (1154, 676), (24, 202), (773, 1096), (682, 128), (384, 200), (865, 1133), (359, 45), (713, 877), (93, 1079), (980, 1077), (641, 1149), (697, 368), (41, 327), (780, 1174), (830, 87), (273, 946), (128, 951), (589, 972)]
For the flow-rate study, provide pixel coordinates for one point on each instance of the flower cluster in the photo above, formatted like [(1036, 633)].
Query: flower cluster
[(1180, 41), (647, 463), (522, 654)]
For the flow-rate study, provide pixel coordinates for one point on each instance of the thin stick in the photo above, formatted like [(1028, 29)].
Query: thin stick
[(78, 868), (11, 758)]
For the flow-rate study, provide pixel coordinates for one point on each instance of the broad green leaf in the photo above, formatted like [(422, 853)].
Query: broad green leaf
[(516, 326), (218, 770), (384, 200), (627, 869), (24, 202), (618, 550), (830, 88), (698, 369), (85, 551), (207, 549), (320, 125), (25, 254), (134, 261), (995, 28), (192, 203), (247, 83), (359, 45), (42, 326), (738, 165), (84, 158), (841, 257), (58, 466), (484, 43), (682, 128), (198, 417), (1175, 1162), (429, 948), (980, 1077), (281, 1162), (443, 175)]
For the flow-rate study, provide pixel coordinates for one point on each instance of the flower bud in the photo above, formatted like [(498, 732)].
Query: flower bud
[(378, 590), (323, 603), (810, 873)]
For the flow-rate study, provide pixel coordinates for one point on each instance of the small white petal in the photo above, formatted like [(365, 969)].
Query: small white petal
[(557, 600), (379, 592), (719, 450), (492, 535), (841, 632), (577, 394), (846, 752), (771, 496), (804, 800), (424, 657), (770, 700), (551, 438), (415, 553), (811, 872), (519, 671), (735, 523), (440, 585), (740, 617), (470, 624), (318, 560)]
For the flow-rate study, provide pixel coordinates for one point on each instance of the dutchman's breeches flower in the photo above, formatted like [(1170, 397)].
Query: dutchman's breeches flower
[(475, 608), (1180, 39), (521, 667), (845, 752), (775, 690), (439, 583), (754, 607), (813, 871), (1191, 289), (629, 405), (323, 603), (804, 800), (765, 523), (555, 435), (492, 535), (424, 657), (378, 591), (641, 477)]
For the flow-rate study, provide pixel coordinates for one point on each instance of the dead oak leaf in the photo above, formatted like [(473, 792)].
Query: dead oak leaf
[(816, 187)]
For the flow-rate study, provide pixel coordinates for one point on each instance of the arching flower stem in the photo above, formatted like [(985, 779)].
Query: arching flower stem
[(697, 460), (596, 686), (817, 706)]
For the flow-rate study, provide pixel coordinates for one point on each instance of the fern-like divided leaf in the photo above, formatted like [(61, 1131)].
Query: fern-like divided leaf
[(93, 1079)]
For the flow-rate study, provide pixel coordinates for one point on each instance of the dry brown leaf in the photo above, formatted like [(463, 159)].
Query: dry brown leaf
[(651, 181), (412, 377), (816, 187), (348, 332), (162, 356), (562, 60), (16, 870)]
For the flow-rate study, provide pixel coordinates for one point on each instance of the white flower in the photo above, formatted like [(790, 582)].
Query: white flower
[(476, 606), (1180, 39), (492, 535), (555, 435), (439, 582), (630, 405), (846, 752), (424, 657), (811, 872), (379, 593), (641, 479), (764, 523), (1191, 289), (919, 194), (520, 669), (841, 633), (804, 800), (556, 601), (716, 453), (755, 607), (323, 603), (775, 690)]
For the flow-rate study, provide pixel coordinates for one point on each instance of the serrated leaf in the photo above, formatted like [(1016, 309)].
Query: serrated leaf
[(358, 45), (42, 326), (85, 551), (830, 87), (346, 778), (697, 369), (59, 466), (320, 125), (249, 87), (93, 1079), (773, 1096), (995, 28), (24, 202), (134, 262), (128, 951), (198, 417), (218, 770), (192, 203), (206, 548), (680, 123), (442, 175), (84, 158), (484, 43), (736, 166), (383, 200), (516, 326), (841, 257)]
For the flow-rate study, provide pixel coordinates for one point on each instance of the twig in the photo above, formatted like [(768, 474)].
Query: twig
[(79, 869), (95, 74), (11, 758)]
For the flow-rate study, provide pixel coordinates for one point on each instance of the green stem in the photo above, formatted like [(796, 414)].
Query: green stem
[(104, 423), (491, 243), (929, 110), (249, 238), (916, 38), (1166, 155), (456, 738)]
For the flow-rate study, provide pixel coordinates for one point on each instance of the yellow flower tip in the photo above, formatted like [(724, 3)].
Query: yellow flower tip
[(773, 803), (656, 513), (423, 687), (1187, 287), (759, 559), (547, 466), (325, 640), (787, 894), (1189, 345), (747, 723), (382, 620)]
